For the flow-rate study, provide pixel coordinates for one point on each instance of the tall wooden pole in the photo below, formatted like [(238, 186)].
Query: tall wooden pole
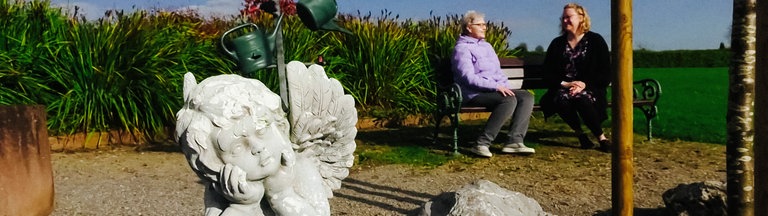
[(761, 112), (739, 117), (621, 160)]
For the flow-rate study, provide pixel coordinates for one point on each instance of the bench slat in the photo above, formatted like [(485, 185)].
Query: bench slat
[(537, 107), (515, 76)]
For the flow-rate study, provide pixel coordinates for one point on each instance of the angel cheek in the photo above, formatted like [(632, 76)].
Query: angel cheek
[(259, 154)]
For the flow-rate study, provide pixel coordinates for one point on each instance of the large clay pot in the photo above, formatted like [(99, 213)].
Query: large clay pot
[(26, 181)]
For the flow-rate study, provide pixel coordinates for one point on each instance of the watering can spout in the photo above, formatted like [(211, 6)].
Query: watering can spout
[(332, 26), (319, 15)]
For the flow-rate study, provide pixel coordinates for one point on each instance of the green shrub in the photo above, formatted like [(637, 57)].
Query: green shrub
[(123, 71), (681, 58), (25, 27)]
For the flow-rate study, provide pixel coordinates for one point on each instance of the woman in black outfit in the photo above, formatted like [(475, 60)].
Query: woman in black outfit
[(578, 71)]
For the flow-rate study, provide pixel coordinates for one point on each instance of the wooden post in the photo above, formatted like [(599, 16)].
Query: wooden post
[(761, 112), (740, 113), (26, 178), (621, 160)]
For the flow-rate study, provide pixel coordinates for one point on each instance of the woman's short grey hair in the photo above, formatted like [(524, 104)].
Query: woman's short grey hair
[(469, 18)]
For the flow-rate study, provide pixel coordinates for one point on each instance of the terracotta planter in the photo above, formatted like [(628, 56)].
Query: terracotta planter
[(26, 182)]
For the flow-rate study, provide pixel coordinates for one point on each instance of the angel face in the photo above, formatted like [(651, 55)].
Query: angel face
[(258, 154)]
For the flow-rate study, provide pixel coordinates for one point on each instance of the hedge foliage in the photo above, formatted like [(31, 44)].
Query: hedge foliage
[(669, 58), (124, 71), (681, 58)]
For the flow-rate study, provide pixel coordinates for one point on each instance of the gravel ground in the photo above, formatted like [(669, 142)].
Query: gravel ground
[(565, 180)]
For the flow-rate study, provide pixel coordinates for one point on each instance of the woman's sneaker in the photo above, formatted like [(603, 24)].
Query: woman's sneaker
[(482, 150), (517, 148)]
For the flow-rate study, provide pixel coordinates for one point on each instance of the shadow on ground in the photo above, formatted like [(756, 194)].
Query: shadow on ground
[(383, 192), (538, 135), (639, 212)]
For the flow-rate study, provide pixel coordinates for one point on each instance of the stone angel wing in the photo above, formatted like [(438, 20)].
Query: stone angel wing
[(322, 122)]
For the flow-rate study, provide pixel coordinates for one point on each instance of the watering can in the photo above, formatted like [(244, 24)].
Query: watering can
[(252, 51), (319, 15)]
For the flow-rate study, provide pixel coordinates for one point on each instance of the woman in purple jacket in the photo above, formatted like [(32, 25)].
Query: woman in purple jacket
[(578, 70), (477, 70)]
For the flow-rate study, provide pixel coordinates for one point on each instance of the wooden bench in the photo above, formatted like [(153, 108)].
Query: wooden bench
[(525, 76)]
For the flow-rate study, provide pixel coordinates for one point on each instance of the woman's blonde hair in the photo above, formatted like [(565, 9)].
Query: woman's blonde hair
[(468, 19), (586, 23)]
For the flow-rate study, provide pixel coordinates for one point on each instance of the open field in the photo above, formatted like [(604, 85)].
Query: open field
[(692, 106)]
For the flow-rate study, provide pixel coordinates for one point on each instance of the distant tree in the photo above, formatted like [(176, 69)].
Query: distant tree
[(740, 114), (539, 49), (722, 46), (522, 47)]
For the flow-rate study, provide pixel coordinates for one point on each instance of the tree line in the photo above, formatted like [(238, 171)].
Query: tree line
[(643, 58)]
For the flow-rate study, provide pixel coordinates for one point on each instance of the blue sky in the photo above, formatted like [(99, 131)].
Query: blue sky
[(658, 24)]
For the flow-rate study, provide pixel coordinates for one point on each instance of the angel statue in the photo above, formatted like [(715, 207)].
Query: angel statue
[(255, 159)]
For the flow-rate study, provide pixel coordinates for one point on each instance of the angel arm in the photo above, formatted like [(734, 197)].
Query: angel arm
[(288, 196)]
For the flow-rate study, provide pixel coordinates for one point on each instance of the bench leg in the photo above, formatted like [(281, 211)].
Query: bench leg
[(650, 128), (438, 118), (454, 118), (455, 128), (650, 114)]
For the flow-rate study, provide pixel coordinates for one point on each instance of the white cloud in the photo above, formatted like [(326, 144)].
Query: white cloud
[(218, 8), (94, 9), (90, 11)]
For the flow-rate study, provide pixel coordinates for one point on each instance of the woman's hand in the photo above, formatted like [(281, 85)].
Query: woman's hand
[(505, 91), (575, 87)]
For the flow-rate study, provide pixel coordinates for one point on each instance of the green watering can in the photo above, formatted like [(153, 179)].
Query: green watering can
[(319, 15), (256, 50), (252, 51)]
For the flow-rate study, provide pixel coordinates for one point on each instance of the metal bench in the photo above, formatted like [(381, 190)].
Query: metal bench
[(525, 76)]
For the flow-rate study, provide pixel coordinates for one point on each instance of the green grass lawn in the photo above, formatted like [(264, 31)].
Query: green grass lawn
[(692, 105)]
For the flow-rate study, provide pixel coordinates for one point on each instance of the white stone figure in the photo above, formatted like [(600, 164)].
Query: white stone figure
[(256, 160)]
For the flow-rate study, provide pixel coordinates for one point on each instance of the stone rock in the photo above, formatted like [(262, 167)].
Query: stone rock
[(482, 197), (701, 198)]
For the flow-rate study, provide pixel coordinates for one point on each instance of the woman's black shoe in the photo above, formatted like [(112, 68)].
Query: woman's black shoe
[(605, 145), (585, 142)]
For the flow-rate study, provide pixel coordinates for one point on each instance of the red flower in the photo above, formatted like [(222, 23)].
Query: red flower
[(253, 7)]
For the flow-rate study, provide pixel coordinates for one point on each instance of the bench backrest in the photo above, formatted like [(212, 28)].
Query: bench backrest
[(529, 74), (522, 75)]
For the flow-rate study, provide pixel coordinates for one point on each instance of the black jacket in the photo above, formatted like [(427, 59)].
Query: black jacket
[(594, 69)]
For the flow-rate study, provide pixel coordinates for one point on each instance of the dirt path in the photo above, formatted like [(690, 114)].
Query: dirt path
[(563, 179)]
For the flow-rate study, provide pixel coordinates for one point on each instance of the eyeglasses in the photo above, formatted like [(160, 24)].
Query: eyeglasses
[(479, 24), (569, 17)]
